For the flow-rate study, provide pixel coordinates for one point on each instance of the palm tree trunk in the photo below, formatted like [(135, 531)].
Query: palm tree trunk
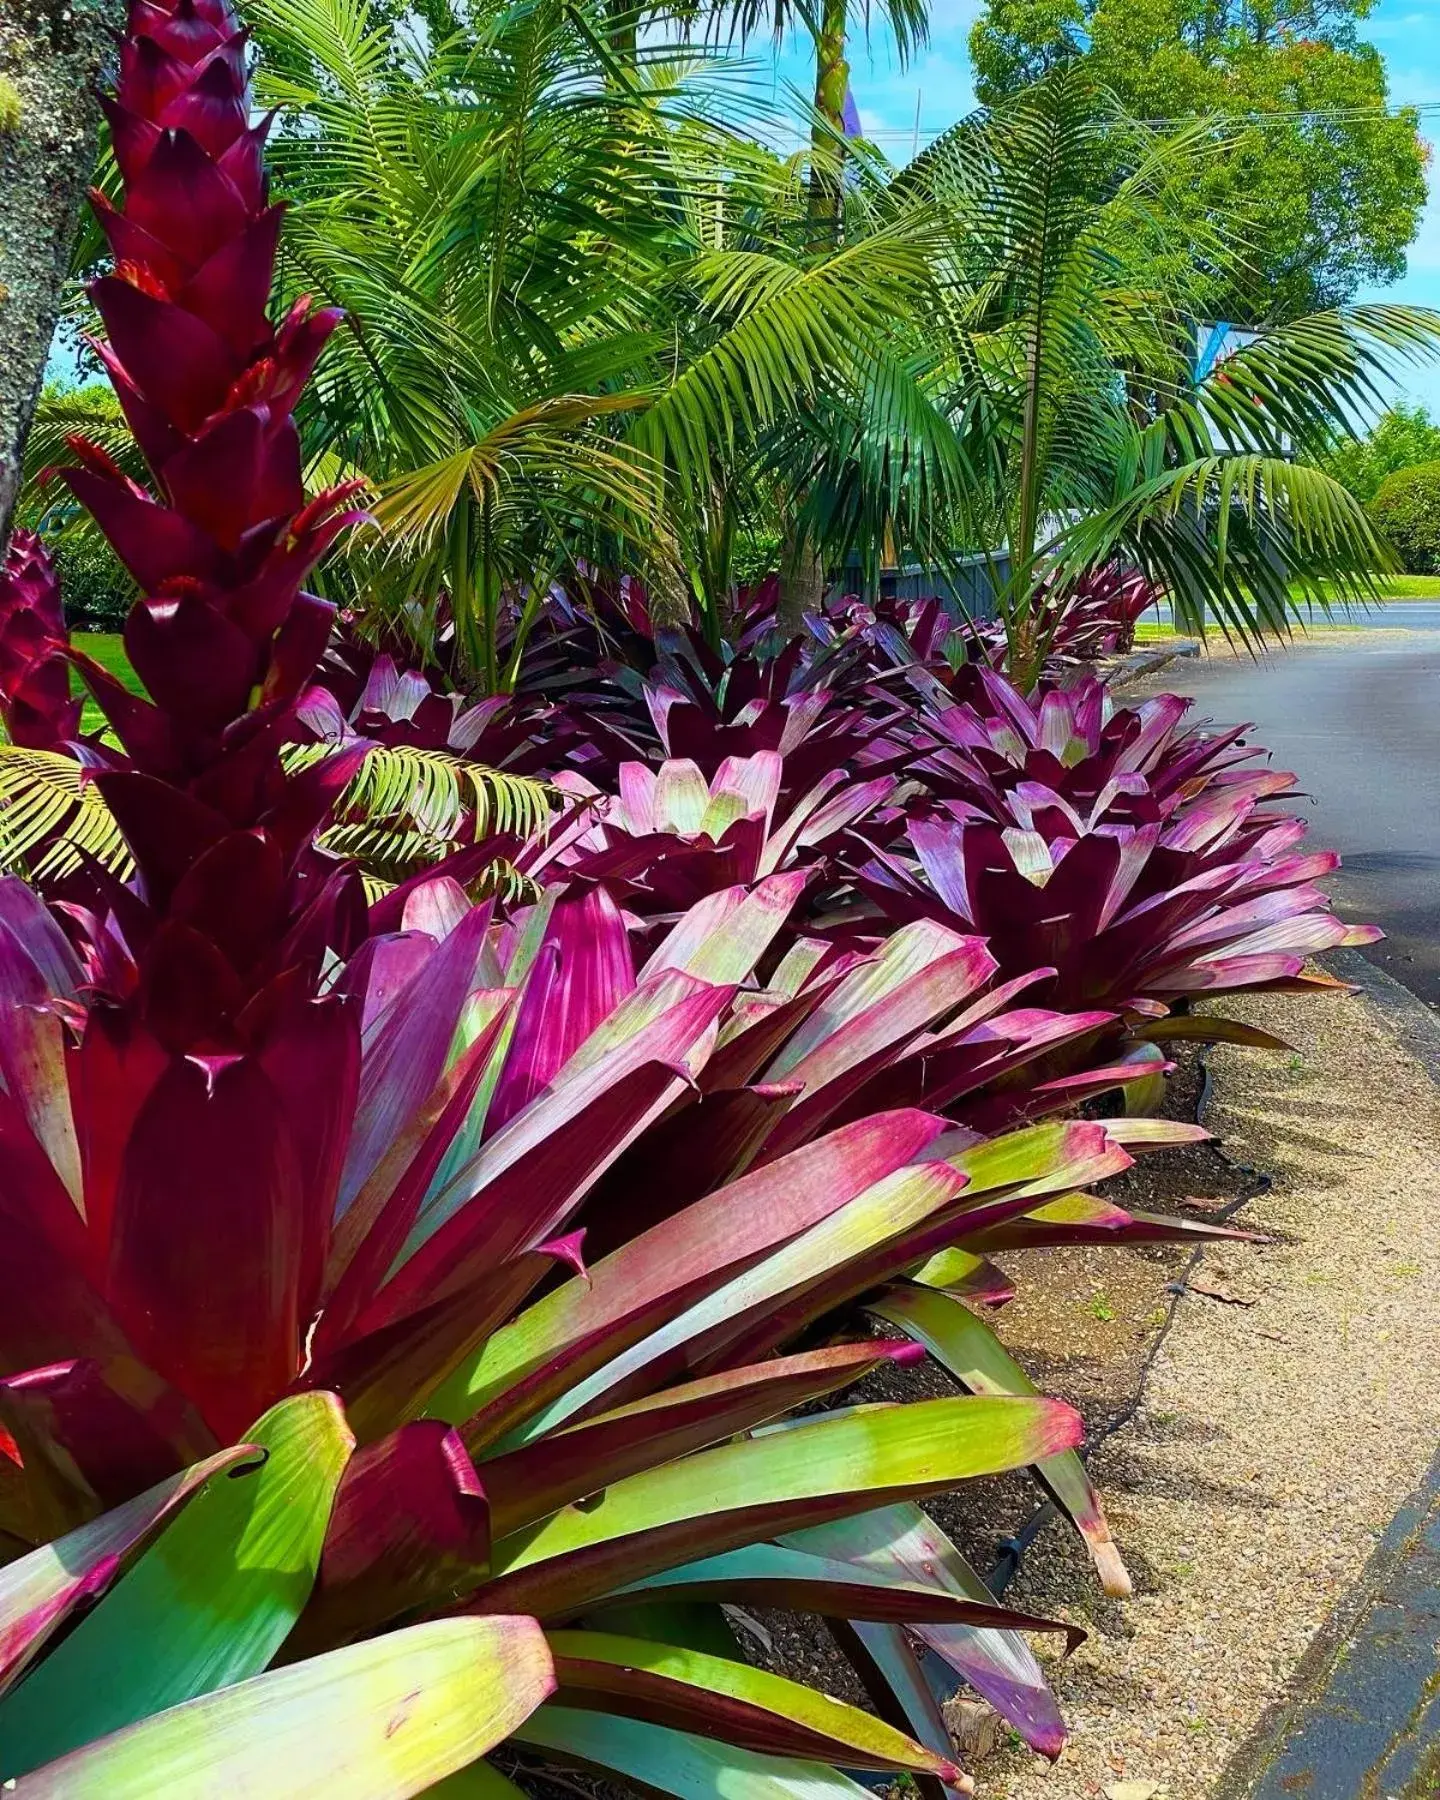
[(52, 55), (802, 569), (802, 581), (832, 83), (1024, 641), (623, 32), (1026, 651)]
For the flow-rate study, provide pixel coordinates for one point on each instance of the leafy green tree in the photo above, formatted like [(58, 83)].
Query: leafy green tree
[(1399, 439), (97, 590), (1327, 184), (1406, 509)]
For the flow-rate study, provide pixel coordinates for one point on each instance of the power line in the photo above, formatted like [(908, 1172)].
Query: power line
[(1332, 115), (1390, 111)]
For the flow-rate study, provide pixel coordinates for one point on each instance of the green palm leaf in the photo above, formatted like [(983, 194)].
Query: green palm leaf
[(404, 810), (408, 806), (51, 816)]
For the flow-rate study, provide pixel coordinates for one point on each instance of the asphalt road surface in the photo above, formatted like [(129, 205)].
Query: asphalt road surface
[(1397, 615), (1356, 715)]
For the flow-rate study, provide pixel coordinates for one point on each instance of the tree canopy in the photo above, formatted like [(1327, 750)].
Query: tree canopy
[(1399, 439), (1406, 508), (1326, 183)]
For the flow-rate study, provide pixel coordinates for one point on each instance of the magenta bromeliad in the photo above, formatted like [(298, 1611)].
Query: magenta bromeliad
[(231, 895), (36, 705)]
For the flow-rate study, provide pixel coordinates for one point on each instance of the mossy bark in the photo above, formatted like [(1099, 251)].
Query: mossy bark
[(54, 54)]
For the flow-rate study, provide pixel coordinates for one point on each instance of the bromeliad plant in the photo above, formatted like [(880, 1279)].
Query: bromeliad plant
[(800, 697), (1075, 740), (36, 707), (1137, 859), (368, 695), (132, 1649), (1077, 618), (372, 1213), (198, 1578), (217, 946), (670, 837), (1097, 612)]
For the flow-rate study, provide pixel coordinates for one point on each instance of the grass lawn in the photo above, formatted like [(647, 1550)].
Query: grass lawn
[(1411, 587), (108, 649), (1395, 590), (1399, 588)]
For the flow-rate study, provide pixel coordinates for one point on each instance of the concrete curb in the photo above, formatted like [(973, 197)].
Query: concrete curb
[(1415, 1024), (1362, 1689), (1147, 662), (1362, 1707)]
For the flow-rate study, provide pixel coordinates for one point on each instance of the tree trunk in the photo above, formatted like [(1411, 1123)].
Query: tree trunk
[(832, 83), (624, 33), (53, 54), (802, 581), (802, 566)]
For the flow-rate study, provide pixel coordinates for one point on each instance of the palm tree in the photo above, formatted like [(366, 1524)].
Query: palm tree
[(803, 560), (577, 306), (1058, 345), (590, 326)]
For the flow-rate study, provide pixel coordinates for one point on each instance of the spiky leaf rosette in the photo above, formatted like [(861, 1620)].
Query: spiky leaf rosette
[(1132, 855), (231, 894), (35, 701), (540, 1432)]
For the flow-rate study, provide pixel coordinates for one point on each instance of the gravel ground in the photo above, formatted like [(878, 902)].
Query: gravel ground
[(1276, 1438)]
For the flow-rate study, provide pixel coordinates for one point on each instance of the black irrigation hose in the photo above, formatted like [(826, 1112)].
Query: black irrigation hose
[(1254, 1183)]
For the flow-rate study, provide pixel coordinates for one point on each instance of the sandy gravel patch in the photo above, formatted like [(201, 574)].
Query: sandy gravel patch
[(1275, 1439)]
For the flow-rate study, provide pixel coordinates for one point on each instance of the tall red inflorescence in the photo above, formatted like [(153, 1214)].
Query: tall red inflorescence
[(35, 700), (230, 889)]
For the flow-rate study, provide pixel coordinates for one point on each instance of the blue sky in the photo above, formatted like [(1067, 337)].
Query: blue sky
[(1407, 33)]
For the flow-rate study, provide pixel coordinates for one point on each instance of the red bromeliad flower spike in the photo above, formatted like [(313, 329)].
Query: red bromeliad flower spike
[(35, 701), (231, 890)]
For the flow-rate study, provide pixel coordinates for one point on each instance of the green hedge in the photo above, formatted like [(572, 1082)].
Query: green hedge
[(1406, 510)]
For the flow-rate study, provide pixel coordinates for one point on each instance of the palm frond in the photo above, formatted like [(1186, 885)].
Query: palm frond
[(498, 880), (51, 816), (1251, 543), (1296, 385), (405, 809), (409, 805), (437, 788)]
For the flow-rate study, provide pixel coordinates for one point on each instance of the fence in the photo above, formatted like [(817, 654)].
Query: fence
[(969, 582)]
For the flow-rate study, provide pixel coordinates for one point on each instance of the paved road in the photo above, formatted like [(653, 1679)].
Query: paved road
[(1357, 716), (1396, 615), (1369, 1724)]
